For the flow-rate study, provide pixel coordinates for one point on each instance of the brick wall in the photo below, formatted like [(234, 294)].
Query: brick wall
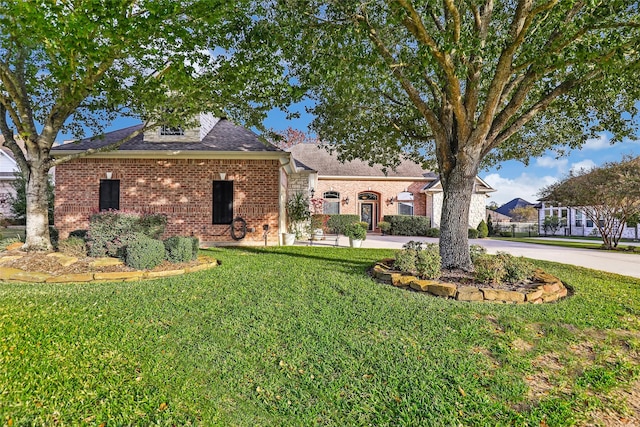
[(384, 189), (180, 188)]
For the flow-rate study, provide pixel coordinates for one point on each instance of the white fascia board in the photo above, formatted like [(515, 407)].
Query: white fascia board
[(178, 154), (373, 178)]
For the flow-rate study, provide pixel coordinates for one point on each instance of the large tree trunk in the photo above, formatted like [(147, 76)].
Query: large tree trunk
[(37, 233), (457, 184)]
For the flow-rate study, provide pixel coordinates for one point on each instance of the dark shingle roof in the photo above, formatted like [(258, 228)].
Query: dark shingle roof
[(316, 157), (224, 136), (511, 205)]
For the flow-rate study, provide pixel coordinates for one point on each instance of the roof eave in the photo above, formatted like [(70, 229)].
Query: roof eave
[(375, 178), (176, 154)]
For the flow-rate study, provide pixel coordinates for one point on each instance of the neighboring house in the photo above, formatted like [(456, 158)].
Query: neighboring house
[(497, 218), (356, 188), (8, 170), (511, 205), (201, 178), (574, 222)]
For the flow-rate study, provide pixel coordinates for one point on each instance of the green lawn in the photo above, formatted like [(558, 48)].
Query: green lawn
[(302, 336), (566, 244)]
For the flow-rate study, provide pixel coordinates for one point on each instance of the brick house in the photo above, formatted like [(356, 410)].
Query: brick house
[(356, 188), (201, 178)]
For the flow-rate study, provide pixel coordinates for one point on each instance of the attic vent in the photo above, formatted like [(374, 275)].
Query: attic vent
[(171, 131)]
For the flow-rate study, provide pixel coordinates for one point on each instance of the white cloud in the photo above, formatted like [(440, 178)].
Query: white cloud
[(586, 164), (599, 143), (552, 163), (525, 186)]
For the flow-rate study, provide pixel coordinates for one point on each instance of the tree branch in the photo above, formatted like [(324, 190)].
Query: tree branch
[(10, 142)]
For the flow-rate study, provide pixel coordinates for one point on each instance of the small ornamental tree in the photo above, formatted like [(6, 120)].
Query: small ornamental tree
[(483, 230), (608, 195), (523, 214)]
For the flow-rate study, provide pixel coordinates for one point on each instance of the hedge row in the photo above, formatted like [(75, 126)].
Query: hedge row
[(111, 231), (405, 225)]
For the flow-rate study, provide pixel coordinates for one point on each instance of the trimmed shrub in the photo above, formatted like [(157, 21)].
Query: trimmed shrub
[(337, 223), (144, 253), (472, 233), (489, 269), (405, 261), (319, 221), (384, 227), (483, 229), (433, 232), (406, 225), (73, 246), (428, 262), (475, 251), (516, 268), (178, 249), (356, 231), (110, 231), (506, 234)]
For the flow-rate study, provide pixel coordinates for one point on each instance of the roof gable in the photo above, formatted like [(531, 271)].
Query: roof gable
[(511, 205)]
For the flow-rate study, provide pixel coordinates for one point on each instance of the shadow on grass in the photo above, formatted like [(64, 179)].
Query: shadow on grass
[(325, 254)]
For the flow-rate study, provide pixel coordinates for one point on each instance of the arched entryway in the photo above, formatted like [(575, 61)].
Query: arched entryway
[(369, 208)]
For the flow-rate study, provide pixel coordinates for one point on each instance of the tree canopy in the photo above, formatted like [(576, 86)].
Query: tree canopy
[(73, 66), (608, 195), (458, 84)]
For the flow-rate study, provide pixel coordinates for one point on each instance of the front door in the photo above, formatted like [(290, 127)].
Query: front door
[(366, 214)]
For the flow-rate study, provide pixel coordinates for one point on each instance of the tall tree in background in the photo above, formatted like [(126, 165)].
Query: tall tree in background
[(608, 195), (69, 66), (467, 83)]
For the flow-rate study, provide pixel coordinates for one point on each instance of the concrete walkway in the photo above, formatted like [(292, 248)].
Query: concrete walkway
[(613, 262)]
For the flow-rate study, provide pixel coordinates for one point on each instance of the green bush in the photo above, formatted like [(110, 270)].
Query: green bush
[(475, 251), (384, 227), (73, 246), (9, 240), (405, 225), (489, 269), (178, 249), (428, 262), (433, 232), (356, 231), (319, 221), (144, 253), (506, 234), (110, 231), (472, 233), (405, 261), (483, 229), (337, 223), (516, 268)]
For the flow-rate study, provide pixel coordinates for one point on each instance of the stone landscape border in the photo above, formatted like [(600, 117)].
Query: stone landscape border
[(543, 288), (16, 275)]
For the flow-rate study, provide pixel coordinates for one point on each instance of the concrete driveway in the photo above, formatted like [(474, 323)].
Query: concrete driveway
[(613, 262)]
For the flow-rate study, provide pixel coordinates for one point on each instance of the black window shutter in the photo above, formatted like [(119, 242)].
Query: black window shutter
[(109, 194), (222, 202)]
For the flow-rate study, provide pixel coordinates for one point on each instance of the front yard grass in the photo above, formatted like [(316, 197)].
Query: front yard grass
[(302, 336)]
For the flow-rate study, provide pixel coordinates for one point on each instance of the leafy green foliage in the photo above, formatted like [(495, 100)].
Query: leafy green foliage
[(384, 227), (355, 231), (428, 262), (179, 249), (406, 225), (489, 269), (110, 232), (475, 251), (516, 268), (472, 233), (142, 252), (73, 246), (499, 268), (338, 223), (483, 230)]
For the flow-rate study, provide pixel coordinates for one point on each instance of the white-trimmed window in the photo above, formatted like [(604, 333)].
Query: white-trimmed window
[(331, 203), (579, 219), (405, 203)]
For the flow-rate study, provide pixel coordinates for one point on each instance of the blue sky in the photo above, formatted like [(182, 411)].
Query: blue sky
[(512, 179)]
